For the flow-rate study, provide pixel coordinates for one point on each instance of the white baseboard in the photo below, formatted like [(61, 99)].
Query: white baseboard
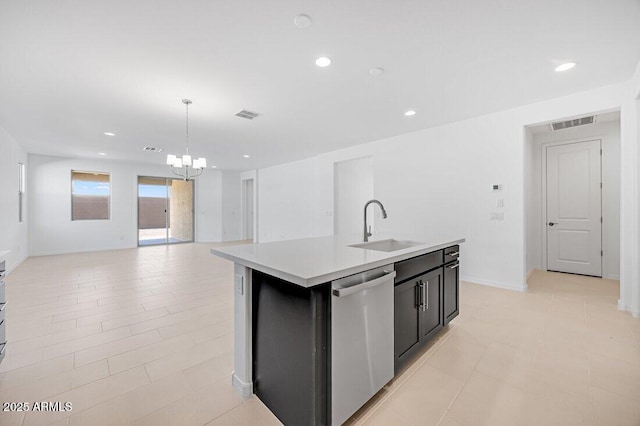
[(15, 265), (611, 277), (244, 389), (74, 251), (533, 268), (498, 284), (627, 308)]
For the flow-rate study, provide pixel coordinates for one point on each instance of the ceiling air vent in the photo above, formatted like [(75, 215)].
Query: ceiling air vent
[(152, 149), (249, 115), (573, 123)]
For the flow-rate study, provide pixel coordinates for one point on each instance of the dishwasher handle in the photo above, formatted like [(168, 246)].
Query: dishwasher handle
[(341, 292)]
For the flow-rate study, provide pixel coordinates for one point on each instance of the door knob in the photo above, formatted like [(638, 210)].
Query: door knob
[(552, 223)]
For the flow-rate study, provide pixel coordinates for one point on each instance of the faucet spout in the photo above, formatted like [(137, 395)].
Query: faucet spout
[(367, 230)]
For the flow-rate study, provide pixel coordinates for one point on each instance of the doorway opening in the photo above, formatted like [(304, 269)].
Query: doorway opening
[(352, 188), (165, 211), (248, 210), (572, 198)]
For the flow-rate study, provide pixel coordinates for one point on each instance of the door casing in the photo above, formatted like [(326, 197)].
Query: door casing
[(193, 215)]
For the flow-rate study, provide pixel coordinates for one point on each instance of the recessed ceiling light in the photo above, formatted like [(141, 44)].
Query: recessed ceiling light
[(302, 21), (565, 67), (246, 156), (109, 134), (375, 72), (213, 167), (323, 61), (410, 113), (102, 153)]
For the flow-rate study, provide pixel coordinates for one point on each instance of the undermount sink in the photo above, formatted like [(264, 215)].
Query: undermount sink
[(386, 245)]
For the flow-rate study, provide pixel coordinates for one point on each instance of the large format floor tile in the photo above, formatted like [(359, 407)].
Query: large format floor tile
[(145, 336)]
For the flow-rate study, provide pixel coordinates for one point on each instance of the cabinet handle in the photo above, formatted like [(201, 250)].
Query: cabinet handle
[(427, 294), (4, 345), (417, 295), (2, 306), (424, 304), (454, 266), (453, 253)]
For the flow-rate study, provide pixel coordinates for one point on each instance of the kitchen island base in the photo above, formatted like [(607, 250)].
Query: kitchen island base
[(285, 328)]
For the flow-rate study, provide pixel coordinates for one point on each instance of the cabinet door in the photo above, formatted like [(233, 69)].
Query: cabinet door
[(406, 317), (451, 291), (431, 304)]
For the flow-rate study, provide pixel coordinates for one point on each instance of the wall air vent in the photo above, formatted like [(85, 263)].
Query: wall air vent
[(249, 115), (152, 149), (573, 123)]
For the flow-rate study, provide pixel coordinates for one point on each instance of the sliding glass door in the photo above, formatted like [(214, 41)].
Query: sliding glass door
[(165, 211)]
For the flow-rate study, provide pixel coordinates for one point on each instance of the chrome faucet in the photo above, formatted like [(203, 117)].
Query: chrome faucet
[(367, 232)]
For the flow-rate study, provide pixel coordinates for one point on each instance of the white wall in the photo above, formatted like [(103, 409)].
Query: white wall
[(609, 134), (208, 205), (13, 234), (630, 246), (295, 200), (533, 208), (352, 188), (51, 230), (231, 204), (438, 182)]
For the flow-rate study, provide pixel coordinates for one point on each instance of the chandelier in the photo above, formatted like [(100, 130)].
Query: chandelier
[(184, 166)]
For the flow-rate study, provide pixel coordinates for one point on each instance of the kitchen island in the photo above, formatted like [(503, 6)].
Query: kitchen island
[(321, 324)]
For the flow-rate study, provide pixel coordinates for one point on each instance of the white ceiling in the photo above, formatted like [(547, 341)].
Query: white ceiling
[(71, 70)]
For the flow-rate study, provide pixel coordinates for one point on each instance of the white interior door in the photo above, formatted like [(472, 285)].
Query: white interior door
[(574, 227)]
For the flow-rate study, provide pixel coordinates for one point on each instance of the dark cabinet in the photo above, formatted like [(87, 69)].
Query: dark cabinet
[(417, 305), (451, 283), (425, 300), (406, 319), (431, 304), (451, 291)]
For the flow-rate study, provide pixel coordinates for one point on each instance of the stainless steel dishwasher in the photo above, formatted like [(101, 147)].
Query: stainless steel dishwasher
[(361, 339)]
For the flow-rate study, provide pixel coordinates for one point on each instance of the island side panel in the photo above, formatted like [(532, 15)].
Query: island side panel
[(242, 378), (290, 335)]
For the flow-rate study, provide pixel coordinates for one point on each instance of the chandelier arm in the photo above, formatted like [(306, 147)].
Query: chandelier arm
[(198, 173), (176, 173)]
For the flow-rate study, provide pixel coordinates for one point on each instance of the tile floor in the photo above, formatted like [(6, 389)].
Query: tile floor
[(144, 337)]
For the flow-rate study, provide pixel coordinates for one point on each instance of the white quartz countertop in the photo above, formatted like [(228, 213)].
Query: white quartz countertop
[(312, 261)]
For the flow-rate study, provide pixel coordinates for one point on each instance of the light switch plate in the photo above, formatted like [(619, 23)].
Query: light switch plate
[(500, 202)]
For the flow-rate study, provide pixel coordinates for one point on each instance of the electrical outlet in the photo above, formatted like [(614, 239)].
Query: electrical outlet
[(496, 216)]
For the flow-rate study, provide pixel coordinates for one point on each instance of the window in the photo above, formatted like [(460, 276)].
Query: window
[(21, 188), (90, 195)]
